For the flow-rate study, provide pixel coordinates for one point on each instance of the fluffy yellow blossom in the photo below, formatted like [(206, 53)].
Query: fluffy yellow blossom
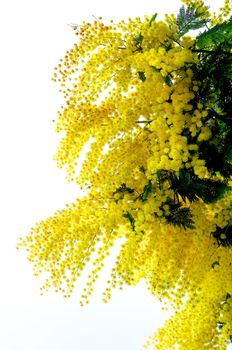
[(132, 101)]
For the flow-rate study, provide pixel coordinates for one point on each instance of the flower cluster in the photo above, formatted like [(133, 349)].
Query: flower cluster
[(157, 169)]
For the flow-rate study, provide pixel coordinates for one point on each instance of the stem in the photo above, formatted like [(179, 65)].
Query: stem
[(144, 121)]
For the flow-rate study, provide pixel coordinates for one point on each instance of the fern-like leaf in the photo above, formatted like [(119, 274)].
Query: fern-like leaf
[(128, 216), (178, 215), (215, 36), (146, 191), (189, 19)]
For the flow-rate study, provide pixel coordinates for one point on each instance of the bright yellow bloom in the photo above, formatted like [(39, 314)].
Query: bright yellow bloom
[(129, 91)]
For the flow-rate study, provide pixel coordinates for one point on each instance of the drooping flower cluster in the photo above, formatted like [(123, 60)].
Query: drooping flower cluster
[(158, 170)]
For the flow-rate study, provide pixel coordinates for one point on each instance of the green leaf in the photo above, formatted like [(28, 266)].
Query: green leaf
[(179, 216), (210, 191), (227, 67), (215, 36), (157, 70), (142, 76), (124, 189), (131, 219), (137, 40), (184, 176), (228, 156), (168, 80), (218, 152), (146, 191), (188, 186), (184, 186), (162, 176), (189, 19), (153, 18), (142, 169)]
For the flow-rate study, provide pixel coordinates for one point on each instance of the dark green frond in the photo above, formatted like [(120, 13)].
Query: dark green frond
[(142, 76), (153, 18), (142, 169), (124, 189), (184, 186), (211, 191), (162, 176), (188, 186), (224, 236), (179, 216), (157, 70), (215, 36), (128, 216), (168, 80), (146, 191), (217, 159), (137, 41)]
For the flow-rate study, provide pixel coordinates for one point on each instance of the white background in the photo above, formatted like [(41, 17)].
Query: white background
[(34, 36)]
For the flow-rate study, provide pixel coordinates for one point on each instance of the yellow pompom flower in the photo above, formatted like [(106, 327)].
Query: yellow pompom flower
[(132, 108)]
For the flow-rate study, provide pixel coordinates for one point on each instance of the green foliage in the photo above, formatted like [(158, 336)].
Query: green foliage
[(224, 237), (227, 72), (153, 18), (189, 19), (218, 35), (189, 186), (228, 155), (214, 47), (185, 110), (124, 189), (215, 71), (146, 191), (137, 42), (178, 215), (217, 159), (142, 76), (155, 69), (217, 152), (210, 191), (128, 216), (168, 80)]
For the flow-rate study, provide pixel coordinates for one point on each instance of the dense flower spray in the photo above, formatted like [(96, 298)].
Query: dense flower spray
[(155, 107)]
